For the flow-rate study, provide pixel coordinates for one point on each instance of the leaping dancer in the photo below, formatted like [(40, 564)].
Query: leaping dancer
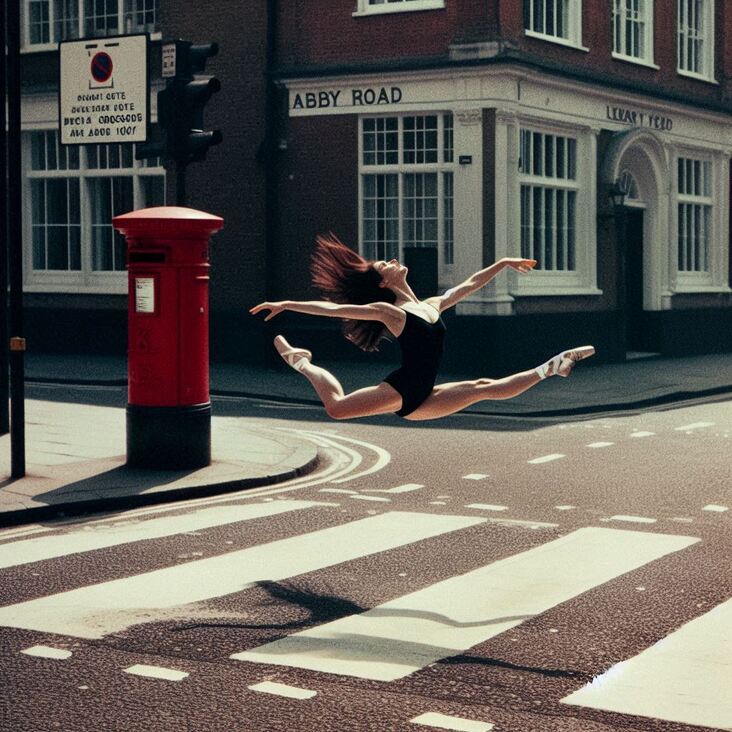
[(374, 300)]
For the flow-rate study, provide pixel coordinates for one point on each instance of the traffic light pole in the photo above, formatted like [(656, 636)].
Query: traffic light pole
[(4, 385), (180, 183), (15, 240)]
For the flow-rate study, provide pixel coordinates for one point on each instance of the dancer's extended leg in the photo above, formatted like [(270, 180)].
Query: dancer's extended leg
[(365, 402), (449, 398)]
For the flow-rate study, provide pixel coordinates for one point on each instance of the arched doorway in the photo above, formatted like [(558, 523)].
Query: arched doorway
[(637, 161)]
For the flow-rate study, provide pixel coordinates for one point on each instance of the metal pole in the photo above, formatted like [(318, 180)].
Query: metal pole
[(180, 183), (621, 228), (15, 241), (4, 384)]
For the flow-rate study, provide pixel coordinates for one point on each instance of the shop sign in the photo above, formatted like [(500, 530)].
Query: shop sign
[(328, 99), (636, 118)]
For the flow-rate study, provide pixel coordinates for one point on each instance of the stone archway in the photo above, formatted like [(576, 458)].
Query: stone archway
[(642, 154)]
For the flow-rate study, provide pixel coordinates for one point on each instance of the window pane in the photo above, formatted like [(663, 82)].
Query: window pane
[(57, 205), (38, 150), (58, 247)]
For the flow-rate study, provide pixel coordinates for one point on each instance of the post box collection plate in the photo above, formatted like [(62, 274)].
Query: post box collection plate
[(144, 294)]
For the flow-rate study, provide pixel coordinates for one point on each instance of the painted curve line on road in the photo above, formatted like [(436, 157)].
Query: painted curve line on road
[(383, 456)]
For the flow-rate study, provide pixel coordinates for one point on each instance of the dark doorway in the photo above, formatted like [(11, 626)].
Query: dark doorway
[(636, 327)]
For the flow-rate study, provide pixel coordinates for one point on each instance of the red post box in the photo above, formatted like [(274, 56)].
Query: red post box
[(169, 407)]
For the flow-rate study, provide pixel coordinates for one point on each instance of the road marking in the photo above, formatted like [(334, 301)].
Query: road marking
[(694, 426), (487, 507), (716, 508), (443, 721), (685, 677), (47, 652), (291, 692), (546, 459), (109, 607), (641, 433), (156, 672), (565, 508), (474, 476), (600, 444), (406, 488), (372, 498), (406, 634), (518, 522), (633, 519), (103, 536), (346, 491)]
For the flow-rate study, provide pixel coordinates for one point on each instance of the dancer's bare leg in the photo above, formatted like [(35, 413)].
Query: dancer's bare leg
[(364, 402), (452, 397), (449, 398)]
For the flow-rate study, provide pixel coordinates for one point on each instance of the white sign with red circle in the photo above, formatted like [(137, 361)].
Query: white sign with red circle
[(103, 90)]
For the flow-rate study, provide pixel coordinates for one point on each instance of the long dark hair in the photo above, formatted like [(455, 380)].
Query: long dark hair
[(345, 277)]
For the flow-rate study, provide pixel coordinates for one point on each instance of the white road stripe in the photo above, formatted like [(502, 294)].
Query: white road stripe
[(406, 488), (156, 672), (714, 507), (685, 677), (408, 633), (565, 508), (379, 499), (345, 491), (600, 444), (98, 610), (47, 652), (694, 426), (487, 507), (546, 459), (633, 519), (641, 433), (444, 721), (102, 536), (474, 476), (291, 692)]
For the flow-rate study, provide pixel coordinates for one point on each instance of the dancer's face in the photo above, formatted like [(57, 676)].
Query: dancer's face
[(392, 273)]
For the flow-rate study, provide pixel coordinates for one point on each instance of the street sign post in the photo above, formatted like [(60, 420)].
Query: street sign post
[(104, 90)]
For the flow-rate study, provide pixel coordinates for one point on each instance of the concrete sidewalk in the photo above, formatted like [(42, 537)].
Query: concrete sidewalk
[(74, 463)]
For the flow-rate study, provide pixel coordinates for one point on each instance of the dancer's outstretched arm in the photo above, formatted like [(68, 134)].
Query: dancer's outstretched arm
[(381, 311), (478, 280)]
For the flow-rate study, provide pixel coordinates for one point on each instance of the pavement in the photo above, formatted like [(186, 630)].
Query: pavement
[(75, 461)]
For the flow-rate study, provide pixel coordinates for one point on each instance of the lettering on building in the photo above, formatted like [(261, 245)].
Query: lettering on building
[(636, 118), (360, 97)]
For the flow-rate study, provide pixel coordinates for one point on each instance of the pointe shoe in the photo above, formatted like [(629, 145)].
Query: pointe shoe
[(563, 363), (295, 357)]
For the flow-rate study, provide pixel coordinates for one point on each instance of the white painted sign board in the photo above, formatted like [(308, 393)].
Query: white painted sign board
[(103, 90)]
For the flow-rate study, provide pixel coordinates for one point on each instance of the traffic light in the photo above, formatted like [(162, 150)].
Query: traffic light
[(190, 92), (180, 135)]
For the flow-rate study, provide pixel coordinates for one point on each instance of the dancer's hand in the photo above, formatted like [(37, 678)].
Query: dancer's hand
[(275, 308), (520, 265)]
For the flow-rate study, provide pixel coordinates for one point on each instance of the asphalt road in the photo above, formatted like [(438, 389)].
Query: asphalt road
[(472, 573)]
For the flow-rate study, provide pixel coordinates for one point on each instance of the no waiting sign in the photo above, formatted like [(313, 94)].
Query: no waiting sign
[(103, 90)]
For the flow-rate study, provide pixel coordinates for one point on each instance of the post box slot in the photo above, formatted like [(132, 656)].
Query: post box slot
[(146, 257)]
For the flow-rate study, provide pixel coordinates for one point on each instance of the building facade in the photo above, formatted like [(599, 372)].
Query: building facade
[(447, 133)]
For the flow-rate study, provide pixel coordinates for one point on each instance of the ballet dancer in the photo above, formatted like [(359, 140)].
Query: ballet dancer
[(375, 301)]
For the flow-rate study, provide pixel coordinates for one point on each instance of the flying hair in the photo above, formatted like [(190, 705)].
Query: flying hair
[(343, 276)]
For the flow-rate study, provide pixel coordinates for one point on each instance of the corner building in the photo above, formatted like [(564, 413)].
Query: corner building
[(451, 133)]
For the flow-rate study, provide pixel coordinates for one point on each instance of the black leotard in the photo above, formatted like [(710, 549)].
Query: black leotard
[(421, 344)]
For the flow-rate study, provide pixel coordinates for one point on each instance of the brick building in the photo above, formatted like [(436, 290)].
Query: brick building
[(448, 133)]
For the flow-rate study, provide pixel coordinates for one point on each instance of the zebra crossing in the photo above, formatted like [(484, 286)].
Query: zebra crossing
[(404, 635)]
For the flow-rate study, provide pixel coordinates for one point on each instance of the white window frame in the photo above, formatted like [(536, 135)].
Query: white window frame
[(28, 47), (365, 7), (445, 246), (85, 280), (621, 7), (574, 25), (583, 279), (713, 279), (707, 56)]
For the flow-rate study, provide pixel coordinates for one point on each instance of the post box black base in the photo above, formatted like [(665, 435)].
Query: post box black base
[(169, 438)]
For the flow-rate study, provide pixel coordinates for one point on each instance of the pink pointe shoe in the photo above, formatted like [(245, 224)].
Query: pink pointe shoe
[(295, 357), (563, 363)]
